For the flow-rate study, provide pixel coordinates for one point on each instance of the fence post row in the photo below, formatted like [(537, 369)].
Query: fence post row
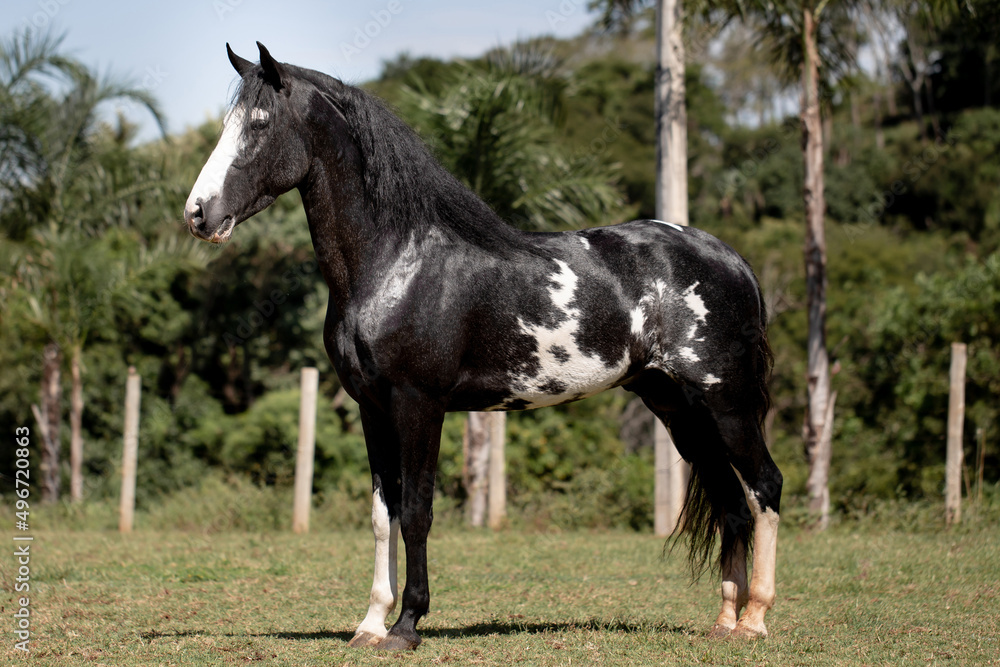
[(306, 450), (956, 420), (130, 450), (670, 473)]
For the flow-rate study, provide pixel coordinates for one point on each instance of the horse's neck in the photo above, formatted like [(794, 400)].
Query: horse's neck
[(348, 248)]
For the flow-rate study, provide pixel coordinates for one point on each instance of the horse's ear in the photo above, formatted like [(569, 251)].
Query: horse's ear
[(274, 71), (241, 65)]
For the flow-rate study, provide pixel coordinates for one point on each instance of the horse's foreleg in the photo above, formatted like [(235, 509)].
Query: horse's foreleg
[(383, 597), (418, 423)]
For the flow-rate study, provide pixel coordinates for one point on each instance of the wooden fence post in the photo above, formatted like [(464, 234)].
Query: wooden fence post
[(476, 466), (956, 420), (670, 473), (306, 450), (497, 486), (130, 450)]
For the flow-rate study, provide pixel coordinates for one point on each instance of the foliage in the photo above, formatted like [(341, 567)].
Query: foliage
[(93, 254), (907, 370), (494, 125)]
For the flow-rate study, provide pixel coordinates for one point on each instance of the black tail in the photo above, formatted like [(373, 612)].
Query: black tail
[(712, 488)]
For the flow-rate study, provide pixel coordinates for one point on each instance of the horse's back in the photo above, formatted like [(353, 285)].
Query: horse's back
[(604, 305)]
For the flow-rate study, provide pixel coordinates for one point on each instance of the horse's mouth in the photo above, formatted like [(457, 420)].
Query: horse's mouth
[(224, 231)]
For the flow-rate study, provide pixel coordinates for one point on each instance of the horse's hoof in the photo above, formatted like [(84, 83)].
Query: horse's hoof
[(393, 642), (720, 632), (363, 639), (745, 631)]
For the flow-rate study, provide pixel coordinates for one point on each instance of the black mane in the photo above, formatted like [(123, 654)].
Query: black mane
[(406, 188)]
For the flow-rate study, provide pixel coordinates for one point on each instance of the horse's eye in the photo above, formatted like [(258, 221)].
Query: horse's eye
[(259, 119)]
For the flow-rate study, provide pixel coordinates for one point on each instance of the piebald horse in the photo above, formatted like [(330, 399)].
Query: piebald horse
[(437, 305)]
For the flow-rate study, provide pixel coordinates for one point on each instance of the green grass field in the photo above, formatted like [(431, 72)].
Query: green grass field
[(174, 598)]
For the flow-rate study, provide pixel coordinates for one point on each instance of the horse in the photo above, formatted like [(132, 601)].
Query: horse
[(438, 305)]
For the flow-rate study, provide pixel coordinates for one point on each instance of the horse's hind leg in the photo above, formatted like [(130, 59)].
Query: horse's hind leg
[(763, 492), (699, 441), (737, 486), (761, 481)]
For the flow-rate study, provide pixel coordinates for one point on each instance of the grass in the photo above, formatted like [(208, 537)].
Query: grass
[(185, 598)]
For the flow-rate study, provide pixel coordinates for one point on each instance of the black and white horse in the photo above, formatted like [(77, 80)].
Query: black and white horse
[(438, 305)]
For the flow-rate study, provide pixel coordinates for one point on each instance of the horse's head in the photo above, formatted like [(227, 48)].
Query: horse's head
[(261, 154)]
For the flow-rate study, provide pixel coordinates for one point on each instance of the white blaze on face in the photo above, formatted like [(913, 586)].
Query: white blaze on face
[(213, 174)]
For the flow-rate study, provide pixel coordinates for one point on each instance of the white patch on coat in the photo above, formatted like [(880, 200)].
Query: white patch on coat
[(213, 174), (710, 379), (695, 303), (385, 592), (650, 305), (638, 320), (670, 224), (688, 354), (580, 374), (584, 241)]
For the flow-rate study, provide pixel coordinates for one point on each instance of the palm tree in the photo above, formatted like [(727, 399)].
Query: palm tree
[(494, 124), (54, 191)]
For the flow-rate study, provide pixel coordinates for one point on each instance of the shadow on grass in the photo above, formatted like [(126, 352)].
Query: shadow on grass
[(513, 627), (516, 627)]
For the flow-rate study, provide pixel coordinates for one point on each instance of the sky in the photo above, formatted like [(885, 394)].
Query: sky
[(177, 49)]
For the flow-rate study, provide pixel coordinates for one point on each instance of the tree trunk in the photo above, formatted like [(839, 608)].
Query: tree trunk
[(475, 446), (76, 429), (671, 472), (818, 382), (51, 400), (879, 132), (671, 116)]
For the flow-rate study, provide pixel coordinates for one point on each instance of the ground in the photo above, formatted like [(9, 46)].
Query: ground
[(609, 598)]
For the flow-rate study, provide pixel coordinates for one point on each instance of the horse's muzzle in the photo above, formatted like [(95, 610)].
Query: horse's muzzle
[(200, 223)]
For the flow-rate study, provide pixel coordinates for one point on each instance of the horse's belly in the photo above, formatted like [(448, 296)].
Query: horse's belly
[(563, 374)]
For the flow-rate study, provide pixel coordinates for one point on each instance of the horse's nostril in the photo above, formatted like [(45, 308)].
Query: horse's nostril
[(195, 215)]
